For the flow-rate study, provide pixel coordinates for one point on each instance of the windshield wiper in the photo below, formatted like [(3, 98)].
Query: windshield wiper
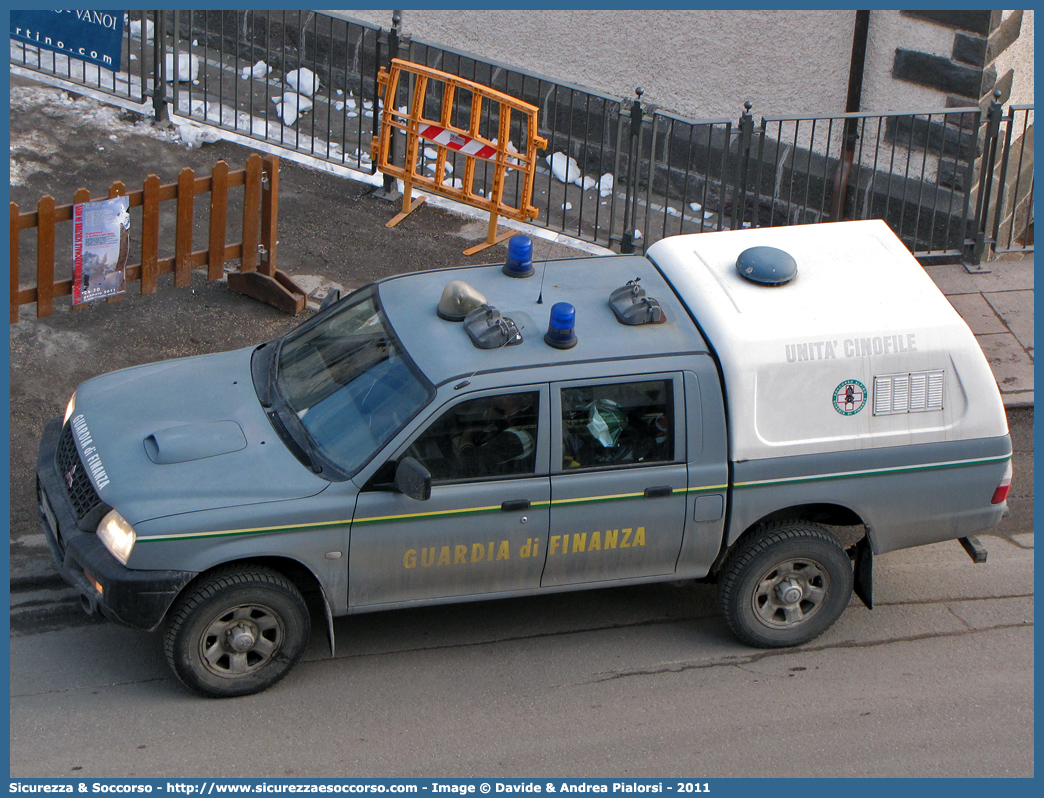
[(273, 372), (302, 449), (263, 370)]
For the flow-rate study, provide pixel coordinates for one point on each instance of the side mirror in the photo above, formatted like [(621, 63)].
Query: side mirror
[(413, 479), (333, 295)]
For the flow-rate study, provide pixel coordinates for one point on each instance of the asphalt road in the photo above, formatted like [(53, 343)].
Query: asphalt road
[(937, 680)]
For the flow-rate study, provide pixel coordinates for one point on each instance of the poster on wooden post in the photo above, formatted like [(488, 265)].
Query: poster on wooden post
[(101, 240)]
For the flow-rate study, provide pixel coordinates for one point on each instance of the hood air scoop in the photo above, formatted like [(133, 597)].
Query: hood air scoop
[(189, 442)]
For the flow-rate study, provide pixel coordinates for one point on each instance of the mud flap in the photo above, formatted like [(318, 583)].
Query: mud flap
[(863, 566), (329, 625)]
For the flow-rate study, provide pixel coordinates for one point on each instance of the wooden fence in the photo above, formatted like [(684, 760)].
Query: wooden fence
[(256, 251)]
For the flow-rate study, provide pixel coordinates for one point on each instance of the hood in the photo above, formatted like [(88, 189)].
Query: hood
[(183, 436)]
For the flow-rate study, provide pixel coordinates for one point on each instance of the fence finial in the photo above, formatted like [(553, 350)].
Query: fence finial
[(636, 111)]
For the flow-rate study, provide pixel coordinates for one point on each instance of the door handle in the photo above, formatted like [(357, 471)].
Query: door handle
[(658, 492), (515, 505)]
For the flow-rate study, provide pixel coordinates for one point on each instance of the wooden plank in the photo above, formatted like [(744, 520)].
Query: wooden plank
[(12, 264), (218, 220), (45, 257), (280, 291), (183, 234), (269, 215), (251, 213), (150, 234)]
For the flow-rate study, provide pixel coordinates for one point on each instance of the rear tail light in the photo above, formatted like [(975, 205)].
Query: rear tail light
[(1001, 494)]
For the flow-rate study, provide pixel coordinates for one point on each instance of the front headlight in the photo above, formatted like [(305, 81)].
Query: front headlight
[(69, 408), (117, 535)]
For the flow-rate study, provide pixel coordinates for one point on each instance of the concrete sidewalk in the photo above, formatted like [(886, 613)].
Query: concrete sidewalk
[(998, 306)]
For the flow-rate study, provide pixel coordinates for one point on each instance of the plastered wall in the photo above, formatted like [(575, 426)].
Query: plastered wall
[(697, 63), (705, 63)]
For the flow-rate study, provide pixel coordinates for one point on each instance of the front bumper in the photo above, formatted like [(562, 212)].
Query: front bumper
[(106, 587)]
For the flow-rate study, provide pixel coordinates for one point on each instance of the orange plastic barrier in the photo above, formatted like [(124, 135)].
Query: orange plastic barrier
[(501, 131)]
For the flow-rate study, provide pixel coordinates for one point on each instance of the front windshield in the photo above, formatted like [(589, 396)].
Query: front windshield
[(349, 383)]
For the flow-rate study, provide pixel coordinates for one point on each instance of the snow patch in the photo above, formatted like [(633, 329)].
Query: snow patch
[(291, 105), (258, 70), (564, 168), (135, 29), (195, 137), (188, 67), (304, 80)]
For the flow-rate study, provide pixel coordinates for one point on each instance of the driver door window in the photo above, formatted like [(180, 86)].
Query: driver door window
[(484, 438)]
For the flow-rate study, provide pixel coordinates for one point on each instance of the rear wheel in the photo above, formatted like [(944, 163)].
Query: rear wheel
[(239, 632), (786, 585)]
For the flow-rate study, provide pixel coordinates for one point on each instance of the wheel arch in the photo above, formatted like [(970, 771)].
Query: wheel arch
[(828, 514), (299, 574)]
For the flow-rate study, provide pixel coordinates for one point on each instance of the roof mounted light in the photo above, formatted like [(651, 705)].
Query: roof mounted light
[(458, 300), (560, 332), (766, 265), (520, 257)]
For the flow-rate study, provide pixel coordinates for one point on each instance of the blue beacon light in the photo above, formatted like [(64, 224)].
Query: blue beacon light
[(560, 332), (520, 257)]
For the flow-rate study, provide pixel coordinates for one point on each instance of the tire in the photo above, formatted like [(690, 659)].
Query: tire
[(786, 585), (238, 632)]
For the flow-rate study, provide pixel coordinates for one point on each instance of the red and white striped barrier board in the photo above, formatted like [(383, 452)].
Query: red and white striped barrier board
[(455, 141)]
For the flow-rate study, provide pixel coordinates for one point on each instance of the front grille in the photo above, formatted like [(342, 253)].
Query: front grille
[(77, 482)]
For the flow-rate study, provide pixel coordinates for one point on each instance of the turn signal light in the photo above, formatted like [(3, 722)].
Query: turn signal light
[(94, 582)]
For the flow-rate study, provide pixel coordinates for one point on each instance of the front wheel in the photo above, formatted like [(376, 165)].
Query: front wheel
[(786, 585), (239, 632)]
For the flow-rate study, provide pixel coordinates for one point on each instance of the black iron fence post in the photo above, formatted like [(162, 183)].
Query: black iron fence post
[(746, 134), (159, 66), (390, 190), (974, 252), (633, 157), (1003, 182)]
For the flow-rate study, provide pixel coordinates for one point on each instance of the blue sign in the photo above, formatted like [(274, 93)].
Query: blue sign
[(92, 36)]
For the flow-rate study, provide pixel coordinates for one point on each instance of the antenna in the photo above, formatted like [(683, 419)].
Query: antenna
[(543, 271)]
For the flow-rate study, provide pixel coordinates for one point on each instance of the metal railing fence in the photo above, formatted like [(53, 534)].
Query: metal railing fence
[(239, 64), (954, 183), (1013, 210), (912, 170)]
